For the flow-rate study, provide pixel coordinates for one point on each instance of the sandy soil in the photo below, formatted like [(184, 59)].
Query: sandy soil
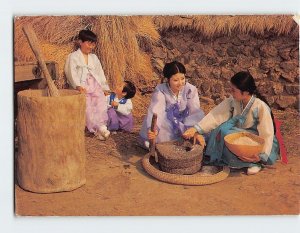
[(117, 185)]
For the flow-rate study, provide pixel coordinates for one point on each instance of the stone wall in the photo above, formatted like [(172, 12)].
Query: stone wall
[(272, 60)]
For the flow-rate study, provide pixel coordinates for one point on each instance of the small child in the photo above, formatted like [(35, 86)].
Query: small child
[(120, 107), (84, 73)]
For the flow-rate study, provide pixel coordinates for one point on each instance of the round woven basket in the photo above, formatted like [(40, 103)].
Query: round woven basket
[(244, 150), (195, 179)]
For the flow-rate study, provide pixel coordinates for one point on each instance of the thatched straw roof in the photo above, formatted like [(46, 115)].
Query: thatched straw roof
[(219, 25)]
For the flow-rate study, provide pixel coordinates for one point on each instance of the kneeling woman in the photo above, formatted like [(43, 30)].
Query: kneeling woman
[(245, 110), (176, 104)]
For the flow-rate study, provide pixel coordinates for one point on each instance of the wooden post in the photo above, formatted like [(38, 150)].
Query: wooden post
[(34, 44)]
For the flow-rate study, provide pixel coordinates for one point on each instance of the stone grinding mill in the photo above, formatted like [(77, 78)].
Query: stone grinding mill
[(180, 162)]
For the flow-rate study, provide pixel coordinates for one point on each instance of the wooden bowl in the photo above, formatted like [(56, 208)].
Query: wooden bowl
[(246, 150)]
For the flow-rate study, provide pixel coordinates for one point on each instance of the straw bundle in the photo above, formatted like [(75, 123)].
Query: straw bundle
[(117, 48), (214, 26)]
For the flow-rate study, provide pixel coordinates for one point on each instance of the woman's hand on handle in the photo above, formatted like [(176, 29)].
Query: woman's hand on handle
[(152, 135)]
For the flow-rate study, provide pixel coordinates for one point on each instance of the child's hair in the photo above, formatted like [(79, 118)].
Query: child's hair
[(130, 90), (245, 82), (173, 68), (87, 35)]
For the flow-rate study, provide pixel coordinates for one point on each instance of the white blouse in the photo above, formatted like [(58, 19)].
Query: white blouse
[(76, 70)]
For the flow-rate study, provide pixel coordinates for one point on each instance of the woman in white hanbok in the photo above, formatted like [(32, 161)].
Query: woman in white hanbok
[(245, 110)]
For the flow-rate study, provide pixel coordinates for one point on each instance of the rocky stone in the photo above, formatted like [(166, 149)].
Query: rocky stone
[(218, 88), (274, 75), (245, 62), (289, 65), (216, 73), (159, 53), (268, 51), (255, 52), (223, 40), (199, 48), (236, 41), (246, 50), (265, 89), (295, 53), (203, 71), (168, 44), (205, 87), (290, 77), (202, 59), (159, 64), (226, 73), (277, 88), (285, 53), (183, 49), (211, 61), (271, 100), (221, 52), (267, 63), (292, 89), (286, 101), (233, 51), (206, 100)]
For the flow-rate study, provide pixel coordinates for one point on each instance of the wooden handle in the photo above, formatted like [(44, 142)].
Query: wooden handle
[(152, 141), (34, 44)]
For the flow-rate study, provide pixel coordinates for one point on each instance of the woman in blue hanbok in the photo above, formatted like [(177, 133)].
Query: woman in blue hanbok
[(245, 110), (176, 104)]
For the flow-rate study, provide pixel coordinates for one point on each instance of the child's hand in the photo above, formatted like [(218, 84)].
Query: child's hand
[(106, 93), (81, 89), (152, 135), (114, 104)]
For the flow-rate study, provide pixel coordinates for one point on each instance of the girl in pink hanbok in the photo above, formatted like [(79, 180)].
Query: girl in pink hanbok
[(84, 73)]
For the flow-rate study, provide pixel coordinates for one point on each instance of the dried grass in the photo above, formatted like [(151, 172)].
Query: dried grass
[(213, 26), (117, 47)]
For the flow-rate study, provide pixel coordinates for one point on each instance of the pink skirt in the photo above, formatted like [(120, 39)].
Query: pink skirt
[(96, 106)]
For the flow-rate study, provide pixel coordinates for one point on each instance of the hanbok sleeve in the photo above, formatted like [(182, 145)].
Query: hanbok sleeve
[(216, 116), (126, 108), (158, 106), (71, 71), (193, 104), (100, 73), (265, 128), (108, 100)]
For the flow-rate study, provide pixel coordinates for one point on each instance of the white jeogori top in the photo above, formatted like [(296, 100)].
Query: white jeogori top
[(124, 108), (259, 115), (76, 70)]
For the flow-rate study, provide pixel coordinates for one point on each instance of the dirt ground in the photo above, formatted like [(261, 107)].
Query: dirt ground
[(117, 185)]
